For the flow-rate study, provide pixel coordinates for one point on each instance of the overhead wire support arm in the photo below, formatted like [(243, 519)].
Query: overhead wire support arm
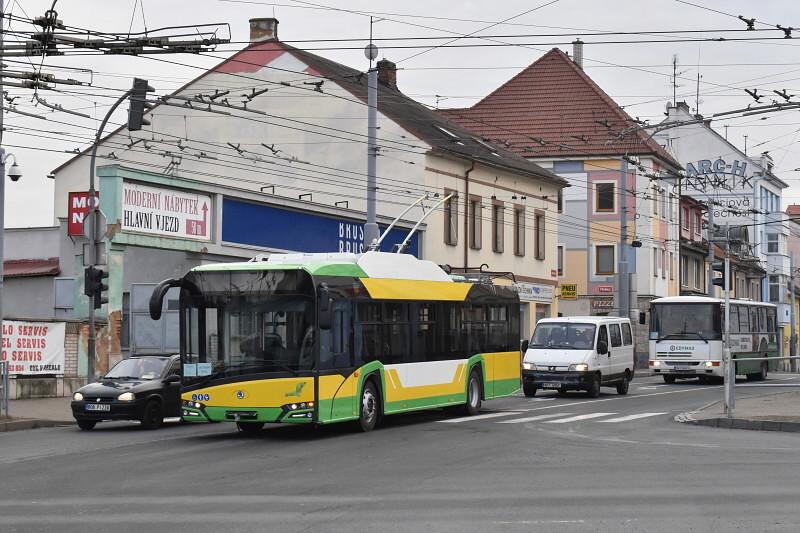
[(58, 107)]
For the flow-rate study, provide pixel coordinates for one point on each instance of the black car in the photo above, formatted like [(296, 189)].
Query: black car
[(145, 388)]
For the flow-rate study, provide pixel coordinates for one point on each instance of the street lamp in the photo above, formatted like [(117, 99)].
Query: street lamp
[(15, 173)]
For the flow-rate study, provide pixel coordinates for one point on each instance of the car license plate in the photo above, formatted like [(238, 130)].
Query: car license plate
[(98, 407), (551, 385)]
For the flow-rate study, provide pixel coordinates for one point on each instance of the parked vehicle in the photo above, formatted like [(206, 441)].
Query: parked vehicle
[(144, 388), (579, 353)]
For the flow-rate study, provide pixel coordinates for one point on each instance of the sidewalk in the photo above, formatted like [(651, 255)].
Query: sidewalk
[(771, 412), (38, 413)]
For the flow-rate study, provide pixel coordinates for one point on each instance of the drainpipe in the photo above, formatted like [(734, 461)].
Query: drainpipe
[(466, 213)]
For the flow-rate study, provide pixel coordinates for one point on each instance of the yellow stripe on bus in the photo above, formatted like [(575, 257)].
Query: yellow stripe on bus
[(406, 289)]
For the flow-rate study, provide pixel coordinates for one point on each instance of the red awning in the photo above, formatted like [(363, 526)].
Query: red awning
[(24, 268)]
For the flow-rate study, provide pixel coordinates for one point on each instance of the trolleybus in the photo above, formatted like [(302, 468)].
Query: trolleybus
[(322, 338), (687, 337)]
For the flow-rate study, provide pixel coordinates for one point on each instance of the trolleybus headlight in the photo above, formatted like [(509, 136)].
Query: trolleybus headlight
[(125, 397), (77, 396), (580, 367), (528, 366)]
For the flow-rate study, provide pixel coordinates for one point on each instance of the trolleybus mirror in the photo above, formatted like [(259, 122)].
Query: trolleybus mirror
[(157, 298), (524, 346)]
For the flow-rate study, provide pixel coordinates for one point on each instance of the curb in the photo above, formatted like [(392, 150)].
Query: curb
[(738, 423), (31, 423)]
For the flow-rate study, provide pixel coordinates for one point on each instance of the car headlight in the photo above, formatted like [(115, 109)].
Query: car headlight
[(655, 363), (125, 397), (528, 366), (77, 396), (580, 367)]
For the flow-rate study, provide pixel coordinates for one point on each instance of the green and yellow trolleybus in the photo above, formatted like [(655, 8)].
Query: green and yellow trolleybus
[(323, 338)]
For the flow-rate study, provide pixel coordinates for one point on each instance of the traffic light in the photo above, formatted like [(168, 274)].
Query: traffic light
[(94, 286), (719, 266), (138, 104)]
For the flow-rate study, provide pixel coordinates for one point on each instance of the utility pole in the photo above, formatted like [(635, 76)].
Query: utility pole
[(730, 366), (371, 231), (623, 289), (710, 281), (792, 318)]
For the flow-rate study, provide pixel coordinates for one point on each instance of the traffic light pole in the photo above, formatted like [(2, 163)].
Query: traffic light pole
[(93, 221)]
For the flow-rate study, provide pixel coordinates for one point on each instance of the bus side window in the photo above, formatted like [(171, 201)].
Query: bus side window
[(754, 320), (771, 320), (744, 319), (334, 343), (425, 335), (498, 328), (368, 346), (395, 333), (734, 315)]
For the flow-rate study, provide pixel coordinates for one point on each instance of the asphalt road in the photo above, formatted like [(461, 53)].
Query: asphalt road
[(572, 464)]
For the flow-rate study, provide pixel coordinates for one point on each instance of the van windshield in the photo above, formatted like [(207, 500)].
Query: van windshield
[(563, 335)]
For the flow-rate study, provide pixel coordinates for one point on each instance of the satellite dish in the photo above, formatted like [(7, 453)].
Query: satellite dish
[(371, 51)]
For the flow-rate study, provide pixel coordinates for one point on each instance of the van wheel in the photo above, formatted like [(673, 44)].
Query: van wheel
[(370, 406), (669, 379), (529, 388), (594, 388), (622, 387), (473, 405)]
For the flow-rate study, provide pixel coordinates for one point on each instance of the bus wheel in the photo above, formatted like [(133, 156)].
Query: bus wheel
[(369, 406), (473, 405), (761, 375), (529, 388), (669, 379), (594, 388), (250, 427), (622, 386)]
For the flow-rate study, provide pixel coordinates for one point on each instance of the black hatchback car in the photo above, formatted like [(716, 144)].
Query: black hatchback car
[(146, 388)]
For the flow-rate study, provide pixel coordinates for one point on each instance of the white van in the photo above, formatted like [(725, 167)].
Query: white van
[(579, 353)]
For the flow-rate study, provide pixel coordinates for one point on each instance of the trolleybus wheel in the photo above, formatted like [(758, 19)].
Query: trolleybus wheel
[(370, 406), (473, 405), (250, 427)]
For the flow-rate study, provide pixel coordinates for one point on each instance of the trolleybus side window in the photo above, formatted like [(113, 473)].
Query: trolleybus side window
[(771, 320), (627, 337), (616, 338), (395, 333), (734, 316), (367, 332), (744, 318), (498, 328), (424, 327), (334, 343), (477, 328)]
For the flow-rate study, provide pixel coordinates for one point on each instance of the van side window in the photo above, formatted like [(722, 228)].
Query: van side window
[(627, 337), (616, 337), (602, 335)]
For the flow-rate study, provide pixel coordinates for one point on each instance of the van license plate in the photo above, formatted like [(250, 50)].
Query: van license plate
[(551, 385)]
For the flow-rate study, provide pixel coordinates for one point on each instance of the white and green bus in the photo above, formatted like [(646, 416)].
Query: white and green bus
[(323, 338), (687, 337)]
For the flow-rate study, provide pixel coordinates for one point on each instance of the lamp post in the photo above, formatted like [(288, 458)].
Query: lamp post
[(15, 173)]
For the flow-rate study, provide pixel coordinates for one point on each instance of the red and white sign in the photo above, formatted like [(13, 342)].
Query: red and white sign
[(76, 211), (33, 348), (165, 212), (605, 289)]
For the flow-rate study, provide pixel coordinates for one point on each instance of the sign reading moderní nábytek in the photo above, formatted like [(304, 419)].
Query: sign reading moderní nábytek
[(165, 212), (33, 348)]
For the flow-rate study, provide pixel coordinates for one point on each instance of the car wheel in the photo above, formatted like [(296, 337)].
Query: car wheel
[(370, 406), (529, 388), (561, 392), (86, 425), (622, 388), (153, 415), (473, 405), (594, 388), (250, 427), (669, 379)]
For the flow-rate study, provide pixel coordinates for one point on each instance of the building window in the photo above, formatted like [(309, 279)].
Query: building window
[(560, 260), (604, 201), (540, 238), (671, 265), (775, 289), (655, 200), (698, 278), (655, 262), (560, 200), (497, 227), (773, 243), (685, 221), (663, 264), (684, 270), (698, 223), (604, 260), (475, 226), (451, 218), (519, 230)]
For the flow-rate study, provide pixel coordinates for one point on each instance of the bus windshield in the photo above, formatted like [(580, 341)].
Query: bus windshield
[(685, 321), (563, 335), (240, 323)]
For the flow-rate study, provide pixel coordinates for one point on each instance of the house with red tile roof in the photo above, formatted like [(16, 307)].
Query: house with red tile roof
[(553, 113)]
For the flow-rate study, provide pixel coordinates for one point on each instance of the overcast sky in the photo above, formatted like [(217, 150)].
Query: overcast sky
[(636, 75)]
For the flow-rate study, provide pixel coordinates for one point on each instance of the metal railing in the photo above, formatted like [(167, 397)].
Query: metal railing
[(4, 388), (730, 377)]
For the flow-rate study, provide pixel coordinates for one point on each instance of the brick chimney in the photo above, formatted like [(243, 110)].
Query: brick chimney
[(263, 29), (577, 53), (387, 73)]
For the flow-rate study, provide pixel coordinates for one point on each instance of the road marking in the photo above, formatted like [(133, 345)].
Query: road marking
[(578, 418), (479, 417), (531, 418), (541, 399), (629, 417)]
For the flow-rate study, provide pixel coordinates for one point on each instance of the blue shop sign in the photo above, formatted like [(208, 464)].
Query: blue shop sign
[(272, 227)]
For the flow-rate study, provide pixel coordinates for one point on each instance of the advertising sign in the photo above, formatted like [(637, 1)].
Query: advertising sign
[(531, 292), (76, 212), (569, 291), (33, 348), (605, 289), (166, 212)]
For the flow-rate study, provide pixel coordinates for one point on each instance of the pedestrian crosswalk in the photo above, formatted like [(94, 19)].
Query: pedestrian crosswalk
[(514, 417)]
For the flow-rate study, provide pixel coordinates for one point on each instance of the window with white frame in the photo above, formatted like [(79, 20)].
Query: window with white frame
[(773, 243), (698, 274), (604, 259), (655, 262), (604, 197), (684, 270), (655, 200), (671, 265), (774, 289)]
